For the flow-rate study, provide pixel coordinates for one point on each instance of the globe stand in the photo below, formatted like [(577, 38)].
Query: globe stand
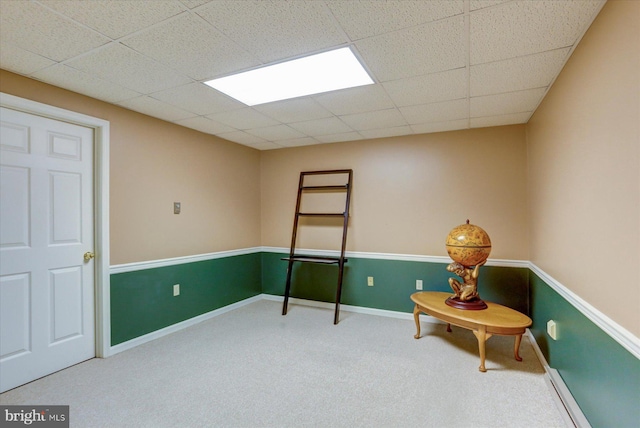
[(469, 247), (469, 305)]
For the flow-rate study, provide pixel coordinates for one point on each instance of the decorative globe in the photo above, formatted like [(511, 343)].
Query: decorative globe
[(468, 244)]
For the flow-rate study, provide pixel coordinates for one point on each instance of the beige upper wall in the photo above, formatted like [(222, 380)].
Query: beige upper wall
[(409, 192), (154, 163), (584, 226), (584, 165)]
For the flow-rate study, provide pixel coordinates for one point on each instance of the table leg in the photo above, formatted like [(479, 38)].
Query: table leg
[(416, 317), (516, 348), (448, 328), (482, 336)]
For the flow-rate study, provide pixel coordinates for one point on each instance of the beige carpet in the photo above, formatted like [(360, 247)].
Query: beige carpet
[(252, 367)]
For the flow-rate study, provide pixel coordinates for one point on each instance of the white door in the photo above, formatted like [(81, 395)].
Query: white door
[(46, 226)]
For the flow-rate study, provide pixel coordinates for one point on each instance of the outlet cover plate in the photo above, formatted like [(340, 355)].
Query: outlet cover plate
[(552, 329)]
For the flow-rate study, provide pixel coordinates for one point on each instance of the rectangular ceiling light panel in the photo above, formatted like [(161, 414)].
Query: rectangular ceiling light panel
[(324, 72)]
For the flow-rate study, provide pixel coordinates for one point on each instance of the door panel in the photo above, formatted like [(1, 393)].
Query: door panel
[(66, 303), (65, 222), (46, 226), (14, 325), (14, 229)]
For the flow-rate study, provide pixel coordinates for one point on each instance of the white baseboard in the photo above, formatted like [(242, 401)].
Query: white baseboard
[(200, 318), (567, 405), (180, 326), (569, 409), (565, 402), (621, 335), (355, 309)]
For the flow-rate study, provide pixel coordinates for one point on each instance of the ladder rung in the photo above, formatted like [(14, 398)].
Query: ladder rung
[(321, 214), (315, 259), (333, 171), (340, 261), (332, 187)]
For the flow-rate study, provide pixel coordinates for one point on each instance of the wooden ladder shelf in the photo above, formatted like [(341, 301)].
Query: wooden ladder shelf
[(341, 260)]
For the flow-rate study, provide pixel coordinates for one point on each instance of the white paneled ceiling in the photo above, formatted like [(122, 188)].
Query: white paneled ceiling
[(437, 65)]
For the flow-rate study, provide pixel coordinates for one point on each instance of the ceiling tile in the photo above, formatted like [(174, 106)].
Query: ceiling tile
[(191, 4), (387, 132), (294, 110), (244, 118), (116, 19), (448, 85), (43, 32), (428, 48), (361, 19), (18, 60), (267, 145), (198, 98), (451, 125), (374, 119), (205, 125), (128, 68), (515, 74), (521, 28), (329, 125), (507, 119), (511, 102), (436, 112), (336, 138), (152, 107), (481, 4), (435, 67), (295, 142), (274, 30), (276, 133), (85, 83), (193, 47), (244, 138), (355, 100)]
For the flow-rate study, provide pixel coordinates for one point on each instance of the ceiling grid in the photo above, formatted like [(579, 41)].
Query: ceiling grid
[(467, 50), (438, 65)]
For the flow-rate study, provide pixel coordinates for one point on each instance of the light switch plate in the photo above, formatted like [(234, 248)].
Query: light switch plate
[(176, 207)]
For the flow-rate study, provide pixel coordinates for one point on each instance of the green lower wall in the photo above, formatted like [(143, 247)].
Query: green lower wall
[(142, 301), (394, 282), (603, 377)]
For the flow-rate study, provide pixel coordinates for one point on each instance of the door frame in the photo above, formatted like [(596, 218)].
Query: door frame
[(101, 205)]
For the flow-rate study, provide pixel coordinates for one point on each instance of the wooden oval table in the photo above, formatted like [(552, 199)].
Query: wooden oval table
[(484, 323)]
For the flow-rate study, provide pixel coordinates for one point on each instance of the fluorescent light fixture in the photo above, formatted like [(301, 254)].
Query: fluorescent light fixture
[(324, 72)]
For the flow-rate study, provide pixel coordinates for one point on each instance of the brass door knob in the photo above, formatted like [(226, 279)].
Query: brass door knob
[(88, 256)]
